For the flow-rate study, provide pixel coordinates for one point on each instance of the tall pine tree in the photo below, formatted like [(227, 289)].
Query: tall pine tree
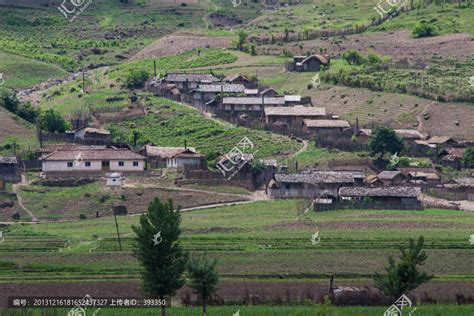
[(159, 251)]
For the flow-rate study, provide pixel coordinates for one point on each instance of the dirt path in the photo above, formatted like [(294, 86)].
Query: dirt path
[(305, 146), (20, 200), (430, 201)]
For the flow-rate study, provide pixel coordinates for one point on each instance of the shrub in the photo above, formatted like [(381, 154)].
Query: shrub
[(423, 29), (52, 121), (82, 216), (136, 79), (353, 57)]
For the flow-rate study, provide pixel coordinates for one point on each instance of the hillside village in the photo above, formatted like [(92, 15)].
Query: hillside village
[(295, 146), (90, 152)]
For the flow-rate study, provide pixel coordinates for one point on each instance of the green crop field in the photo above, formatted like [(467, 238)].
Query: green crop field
[(260, 239)]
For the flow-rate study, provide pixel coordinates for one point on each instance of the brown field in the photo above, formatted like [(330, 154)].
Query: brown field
[(228, 291), (398, 45), (175, 44)]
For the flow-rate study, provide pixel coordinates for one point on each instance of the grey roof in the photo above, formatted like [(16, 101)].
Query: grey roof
[(319, 177), (439, 139), (388, 175), (380, 191), (190, 77), (235, 88), (253, 100), (409, 134), (165, 152), (469, 182), (327, 123), (8, 160), (295, 111), (292, 98)]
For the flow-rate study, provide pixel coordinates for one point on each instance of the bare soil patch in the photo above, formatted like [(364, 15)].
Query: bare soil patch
[(175, 44), (398, 45), (228, 291)]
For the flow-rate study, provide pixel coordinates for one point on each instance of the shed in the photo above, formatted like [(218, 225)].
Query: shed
[(293, 116), (395, 195), (113, 179)]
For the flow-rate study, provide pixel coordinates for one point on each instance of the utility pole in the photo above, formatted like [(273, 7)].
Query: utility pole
[(154, 67), (118, 233), (83, 81)]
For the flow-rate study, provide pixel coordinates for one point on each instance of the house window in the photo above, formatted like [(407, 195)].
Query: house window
[(121, 163), (88, 163), (70, 164), (135, 163)]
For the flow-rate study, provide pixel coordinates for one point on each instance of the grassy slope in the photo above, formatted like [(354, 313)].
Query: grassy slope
[(20, 72), (12, 128), (172, 124), (263, 238)]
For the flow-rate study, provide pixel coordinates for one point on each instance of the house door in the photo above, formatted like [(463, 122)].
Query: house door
[(105, 165)]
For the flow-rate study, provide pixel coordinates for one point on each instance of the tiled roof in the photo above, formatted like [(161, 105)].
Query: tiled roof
[(321, 58), (439, 139), (253, 100), (388, 175), (8, 160), (232, 77), (68, 147), (104, 154), (236, 88), (292, 98), (295, 111), (327, 123), (97, 131), (165, 152), (380, 191), (188, 153), (190, 77), (469, 182), (319, 177)]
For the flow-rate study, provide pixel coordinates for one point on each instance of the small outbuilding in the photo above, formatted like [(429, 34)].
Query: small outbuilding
[(113, 179)]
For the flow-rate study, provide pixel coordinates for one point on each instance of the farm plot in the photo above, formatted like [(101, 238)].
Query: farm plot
[(55, 203)]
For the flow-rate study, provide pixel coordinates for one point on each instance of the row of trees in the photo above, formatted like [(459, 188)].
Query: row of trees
[(48, 120), (166, 266)]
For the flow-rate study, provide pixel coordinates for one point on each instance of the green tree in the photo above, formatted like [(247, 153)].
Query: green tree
[(28, 112), (468, 157), (9, 101), (159, 251), (52, 121), (384, 140), (203, 277), (136, 79), (353, 57), (241, 37), (404, 276)]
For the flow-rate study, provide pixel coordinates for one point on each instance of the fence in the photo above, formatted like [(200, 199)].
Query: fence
[(450, 195)]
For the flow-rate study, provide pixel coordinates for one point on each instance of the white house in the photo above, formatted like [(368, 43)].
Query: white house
[(93, 159)]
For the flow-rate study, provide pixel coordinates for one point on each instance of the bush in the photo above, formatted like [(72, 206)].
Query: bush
[(82, 216), (136, 79), (423, 29), (52, 121), (28, 113), (9, 101), (353, 57)]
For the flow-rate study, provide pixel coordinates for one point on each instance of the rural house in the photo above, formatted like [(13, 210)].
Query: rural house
[(92, 161), (292, 116), (409, 136), (92, 135), (308, 63), (157, 157), (443, 141), (237, 79), (325, 128), (314, 184), (188, 82), (383, 197), (250, 104), (187, 158), (420, 175), (208, 92), (389, 178), (269, 92), (451, 157), (9, 169)]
